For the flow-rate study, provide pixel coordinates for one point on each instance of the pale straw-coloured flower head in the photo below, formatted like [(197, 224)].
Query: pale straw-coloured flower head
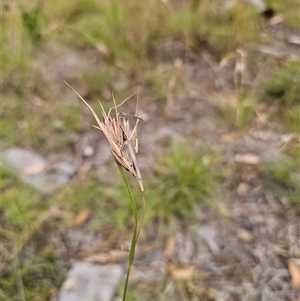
[(119, 135)]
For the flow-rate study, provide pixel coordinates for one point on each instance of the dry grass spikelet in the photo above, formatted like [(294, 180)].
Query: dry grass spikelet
[(119, 136)]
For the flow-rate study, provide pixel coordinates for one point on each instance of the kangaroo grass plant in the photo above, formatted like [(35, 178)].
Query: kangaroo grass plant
[(119, 136)]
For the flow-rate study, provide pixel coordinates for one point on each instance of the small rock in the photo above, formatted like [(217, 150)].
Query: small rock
[(294, 40), (35, 170), (22, 161), (88, 151), (90, 282)]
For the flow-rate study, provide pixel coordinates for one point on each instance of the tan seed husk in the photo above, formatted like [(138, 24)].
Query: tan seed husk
[(117, 132)]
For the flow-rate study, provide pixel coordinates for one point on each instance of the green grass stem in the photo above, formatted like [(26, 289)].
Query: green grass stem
[(137, 227)]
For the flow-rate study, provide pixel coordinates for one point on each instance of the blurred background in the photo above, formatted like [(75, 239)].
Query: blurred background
[(218, 88)]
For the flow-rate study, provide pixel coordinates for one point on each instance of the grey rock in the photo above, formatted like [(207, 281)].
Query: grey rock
[(36, 171), (90, 282)]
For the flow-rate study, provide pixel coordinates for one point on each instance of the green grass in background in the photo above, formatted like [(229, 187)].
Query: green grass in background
[(28, 271), (283, 176), (282, 89), (184, 179), (126, 43), (284, 85), (288, 9)]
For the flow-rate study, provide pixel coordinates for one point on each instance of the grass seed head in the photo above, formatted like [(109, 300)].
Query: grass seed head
[(118, 134)]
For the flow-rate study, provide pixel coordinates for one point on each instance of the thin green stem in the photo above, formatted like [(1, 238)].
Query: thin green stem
[(137, 228)]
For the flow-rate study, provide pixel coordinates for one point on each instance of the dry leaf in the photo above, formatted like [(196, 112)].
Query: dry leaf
[(276, 20), (242, 189), (245, 235), (228, 56), (101, 258), (294, 269), (81, 217), (248, 158), (111, 256), (33, 169), (70, 284), (228, 138), (103, 48), (181, 273), (170, 246)]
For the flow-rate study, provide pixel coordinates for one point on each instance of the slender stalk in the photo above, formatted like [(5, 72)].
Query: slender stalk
[(137, 228), (117, 132)]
